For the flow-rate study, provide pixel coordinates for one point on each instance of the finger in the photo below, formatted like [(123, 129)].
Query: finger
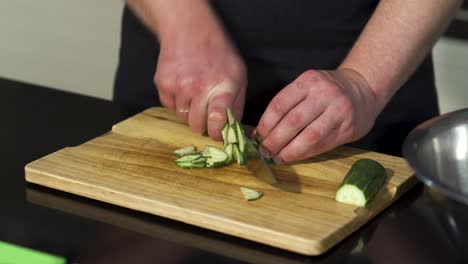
[(220, 100), (164, 87), (167, 100), (197, 115), (183, 95), (318, 137), (290, 126), (183, 106), (279, 106)]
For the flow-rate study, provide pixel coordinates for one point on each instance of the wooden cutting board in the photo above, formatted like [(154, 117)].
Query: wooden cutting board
[(132, 166)]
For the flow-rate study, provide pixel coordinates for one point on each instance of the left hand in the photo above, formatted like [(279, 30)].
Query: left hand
[(317, 112)]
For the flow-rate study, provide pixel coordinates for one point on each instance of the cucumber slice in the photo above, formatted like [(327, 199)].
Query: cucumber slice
[(206, 153), (241, 138), (224, 133), (192, 165), (217, 157), (200, 160), (228, 150), (230, 116), (251, 194), (361, 183), (188, 158), (238, 155), (232, 135), (185, 151)]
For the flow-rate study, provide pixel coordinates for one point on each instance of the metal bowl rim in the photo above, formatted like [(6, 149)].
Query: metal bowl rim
[(410, 157)]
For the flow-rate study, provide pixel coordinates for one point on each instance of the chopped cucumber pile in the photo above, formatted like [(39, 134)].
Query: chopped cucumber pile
[(365, 178), (235, 149)]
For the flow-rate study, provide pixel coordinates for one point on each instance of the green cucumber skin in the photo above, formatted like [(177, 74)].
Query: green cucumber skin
[(241, 138), (230, 116), (190, 165), (368, 176)]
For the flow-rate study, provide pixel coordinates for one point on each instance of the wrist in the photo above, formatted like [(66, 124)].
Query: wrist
[(379, 96), (186, 21), (361, 87), (178, 20)]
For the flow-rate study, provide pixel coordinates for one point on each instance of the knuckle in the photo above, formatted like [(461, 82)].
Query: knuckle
[(331, 90), (185, 81), (276, 104), (294, 119), (312, 137), (312, 76), (163, 82)]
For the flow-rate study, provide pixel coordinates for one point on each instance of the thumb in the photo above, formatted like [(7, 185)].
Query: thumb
[(221, 97)]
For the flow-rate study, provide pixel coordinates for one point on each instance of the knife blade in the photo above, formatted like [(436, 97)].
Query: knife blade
[(258, 166)]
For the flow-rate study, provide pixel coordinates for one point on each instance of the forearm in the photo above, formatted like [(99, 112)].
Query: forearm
[(170, 20), (396, 40)]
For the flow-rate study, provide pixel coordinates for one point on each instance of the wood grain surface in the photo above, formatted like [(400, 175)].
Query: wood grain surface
[(132, 166)]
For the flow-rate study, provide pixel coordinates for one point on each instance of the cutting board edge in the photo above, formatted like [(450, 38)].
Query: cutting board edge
[(305, 246)]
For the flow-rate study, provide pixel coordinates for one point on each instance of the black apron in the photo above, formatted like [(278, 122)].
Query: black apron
[(279, 40)]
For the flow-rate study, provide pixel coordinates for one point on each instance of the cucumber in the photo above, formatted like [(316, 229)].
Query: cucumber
[(241, 138), (192, 165), (230, 116), (235, 147), (206, 153), (191, 161), (224, 133), (185, 151), (188, 158), (251, 194), (216, 157), (361, 183), (231, 135), (238, 155), (228, 150)]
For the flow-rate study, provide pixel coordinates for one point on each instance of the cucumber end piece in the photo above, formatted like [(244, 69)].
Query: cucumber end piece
[(350, 194), (251, 194)]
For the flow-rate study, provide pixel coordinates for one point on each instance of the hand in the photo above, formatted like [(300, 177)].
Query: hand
[(318, 111), (200, 74)]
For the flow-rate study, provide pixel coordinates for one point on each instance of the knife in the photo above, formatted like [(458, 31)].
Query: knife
[(258, 166)]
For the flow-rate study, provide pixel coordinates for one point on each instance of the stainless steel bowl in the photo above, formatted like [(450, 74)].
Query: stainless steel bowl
[(438, 152)]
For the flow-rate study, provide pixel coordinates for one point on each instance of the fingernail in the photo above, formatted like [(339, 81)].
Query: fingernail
[(215, 116), (278, 160), (264, 152)]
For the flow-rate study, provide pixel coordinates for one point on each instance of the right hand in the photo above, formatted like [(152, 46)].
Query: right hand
[(199, 74)]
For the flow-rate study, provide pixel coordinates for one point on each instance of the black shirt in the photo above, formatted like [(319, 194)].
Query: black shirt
[(279, 40)]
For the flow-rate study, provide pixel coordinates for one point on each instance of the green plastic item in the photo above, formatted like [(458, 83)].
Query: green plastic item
[(12, 254)]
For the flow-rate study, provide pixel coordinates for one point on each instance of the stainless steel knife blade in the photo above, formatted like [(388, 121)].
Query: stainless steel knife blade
[(258, 166)]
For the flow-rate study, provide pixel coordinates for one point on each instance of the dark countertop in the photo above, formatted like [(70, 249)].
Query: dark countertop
[(37, 121)]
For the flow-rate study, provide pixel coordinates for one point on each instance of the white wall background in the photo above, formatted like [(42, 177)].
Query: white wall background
[(73, 45), (451, 70), (66, 44)]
